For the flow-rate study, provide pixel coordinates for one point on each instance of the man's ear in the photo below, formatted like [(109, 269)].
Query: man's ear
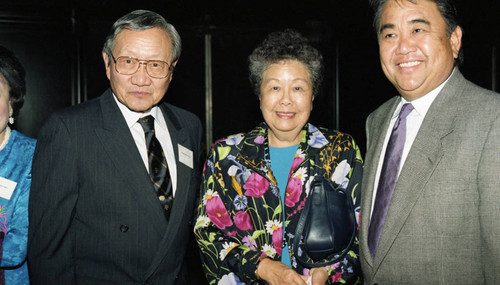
[(456, 40), (174, 63), (107, 64)]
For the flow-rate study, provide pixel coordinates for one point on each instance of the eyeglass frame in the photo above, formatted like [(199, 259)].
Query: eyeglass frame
[(143, 61)]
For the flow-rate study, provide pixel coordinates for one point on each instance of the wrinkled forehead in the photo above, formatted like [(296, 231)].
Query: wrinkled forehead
[(401, 2), (407, 8)]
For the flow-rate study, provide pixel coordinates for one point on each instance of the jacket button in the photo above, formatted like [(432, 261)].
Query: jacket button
[(123, 228)]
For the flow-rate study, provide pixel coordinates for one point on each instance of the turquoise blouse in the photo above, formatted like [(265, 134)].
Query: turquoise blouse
[(281, 164), (15, 161)]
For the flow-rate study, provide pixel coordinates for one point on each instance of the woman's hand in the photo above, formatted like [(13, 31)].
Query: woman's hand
[(277, 273)]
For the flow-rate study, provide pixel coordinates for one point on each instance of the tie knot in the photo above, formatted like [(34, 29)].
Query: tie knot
[(147, 123), (405, 110)]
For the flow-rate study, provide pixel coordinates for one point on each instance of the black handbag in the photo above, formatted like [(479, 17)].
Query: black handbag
[(328, 224)]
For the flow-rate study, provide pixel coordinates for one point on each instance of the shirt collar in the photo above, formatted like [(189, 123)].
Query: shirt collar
[(131, 117), (422, 104)]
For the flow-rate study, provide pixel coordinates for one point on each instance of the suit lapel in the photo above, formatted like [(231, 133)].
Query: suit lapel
[(178, 137), (425, 154), (118, 142), (379, 123), (182, 193)]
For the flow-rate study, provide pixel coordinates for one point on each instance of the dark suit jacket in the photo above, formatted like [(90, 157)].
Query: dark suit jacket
[(94, 215), (443, 223)]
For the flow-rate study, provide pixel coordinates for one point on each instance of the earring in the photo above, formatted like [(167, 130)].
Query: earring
[(11, 119)]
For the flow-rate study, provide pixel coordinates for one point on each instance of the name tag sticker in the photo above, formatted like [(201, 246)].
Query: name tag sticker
[(7, 188), (185, 156)]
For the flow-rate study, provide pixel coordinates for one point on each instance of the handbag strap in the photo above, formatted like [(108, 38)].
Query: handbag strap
[(300, 228)]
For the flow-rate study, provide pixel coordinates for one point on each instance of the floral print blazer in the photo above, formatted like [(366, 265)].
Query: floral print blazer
[(240, 214)]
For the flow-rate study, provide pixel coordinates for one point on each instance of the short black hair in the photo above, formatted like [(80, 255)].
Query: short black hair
[(15, 76)]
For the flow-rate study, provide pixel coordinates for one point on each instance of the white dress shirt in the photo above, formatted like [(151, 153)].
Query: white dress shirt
[(161, 132), (413, 123)]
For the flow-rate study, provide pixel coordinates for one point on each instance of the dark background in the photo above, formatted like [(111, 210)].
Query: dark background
[(59, 42)]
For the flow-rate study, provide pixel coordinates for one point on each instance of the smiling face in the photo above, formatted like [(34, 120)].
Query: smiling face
[(415, 52), (286, 101), (140, 92)]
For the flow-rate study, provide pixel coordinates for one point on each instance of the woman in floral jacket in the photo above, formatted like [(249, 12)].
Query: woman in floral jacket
[(255, 185)]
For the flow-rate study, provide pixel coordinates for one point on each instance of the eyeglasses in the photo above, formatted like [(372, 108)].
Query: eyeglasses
[(127, 65)]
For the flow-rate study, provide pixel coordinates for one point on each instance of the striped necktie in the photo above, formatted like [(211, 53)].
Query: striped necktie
[(158, 168)]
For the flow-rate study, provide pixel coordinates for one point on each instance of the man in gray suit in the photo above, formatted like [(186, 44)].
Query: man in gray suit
[(113, 196), (431, 183)]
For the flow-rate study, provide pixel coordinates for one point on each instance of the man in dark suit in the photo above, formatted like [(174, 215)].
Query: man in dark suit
[(109, 205), (431, 183)]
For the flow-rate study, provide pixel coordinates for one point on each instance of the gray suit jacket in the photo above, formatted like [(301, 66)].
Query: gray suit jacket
[(94, 215), (443, 223)]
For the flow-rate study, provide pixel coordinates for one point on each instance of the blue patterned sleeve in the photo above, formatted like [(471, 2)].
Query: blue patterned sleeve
[(15, 240)]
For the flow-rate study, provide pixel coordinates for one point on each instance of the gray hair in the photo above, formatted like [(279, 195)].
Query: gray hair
[(141, 20), (285, 45), (446, 8)]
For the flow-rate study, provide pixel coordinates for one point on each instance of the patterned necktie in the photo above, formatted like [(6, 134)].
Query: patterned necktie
[(388, 177), (158, 169)]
